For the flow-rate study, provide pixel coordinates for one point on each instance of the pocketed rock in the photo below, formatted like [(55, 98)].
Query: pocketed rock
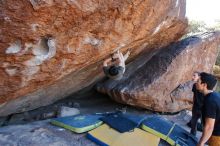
[(52, 49)]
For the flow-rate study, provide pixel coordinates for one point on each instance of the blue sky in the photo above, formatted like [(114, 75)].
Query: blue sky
[(205, 10)]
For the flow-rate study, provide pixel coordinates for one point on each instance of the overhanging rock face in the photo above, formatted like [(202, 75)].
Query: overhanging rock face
[(50, 49), (159, 84)]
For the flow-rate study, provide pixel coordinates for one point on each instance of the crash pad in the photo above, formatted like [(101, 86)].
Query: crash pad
[(106, 136), (123, 122), (78, 123), (169, 131), (103, 135), (158, 126), (180, 137), (137, 137)]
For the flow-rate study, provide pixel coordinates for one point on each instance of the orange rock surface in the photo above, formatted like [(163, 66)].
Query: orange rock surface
[(50, 49)]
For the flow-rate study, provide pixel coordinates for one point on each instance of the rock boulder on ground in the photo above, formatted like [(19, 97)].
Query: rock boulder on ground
[(156, 84), (65, 111)]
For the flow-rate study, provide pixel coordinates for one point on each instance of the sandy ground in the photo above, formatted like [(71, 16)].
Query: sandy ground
[(42, 133)]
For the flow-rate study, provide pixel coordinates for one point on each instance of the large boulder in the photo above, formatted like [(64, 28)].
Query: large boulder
[(160, 83), (51, 49)]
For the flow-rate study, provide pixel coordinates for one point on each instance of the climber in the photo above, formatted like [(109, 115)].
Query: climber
[(198, 99), (114, 67)]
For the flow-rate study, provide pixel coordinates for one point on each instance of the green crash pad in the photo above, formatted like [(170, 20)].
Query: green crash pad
[(78, 123), (168, 131)]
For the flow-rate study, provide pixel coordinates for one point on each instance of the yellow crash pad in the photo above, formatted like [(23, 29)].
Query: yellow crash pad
[(103, 135), (106, 136), (137, 137)]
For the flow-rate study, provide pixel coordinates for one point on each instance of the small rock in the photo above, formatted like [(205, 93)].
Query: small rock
[(67, 111), (76, 105), (48, 115), (187, 115), (27, 116), (3, 121), (70, 104)]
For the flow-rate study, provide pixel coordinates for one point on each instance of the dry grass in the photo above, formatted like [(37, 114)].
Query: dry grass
[(216, 71)]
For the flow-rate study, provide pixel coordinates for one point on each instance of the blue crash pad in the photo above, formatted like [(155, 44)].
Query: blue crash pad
[(123, 122), (78, 123)]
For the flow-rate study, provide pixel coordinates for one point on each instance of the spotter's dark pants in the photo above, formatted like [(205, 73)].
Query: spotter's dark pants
[(196, 114)]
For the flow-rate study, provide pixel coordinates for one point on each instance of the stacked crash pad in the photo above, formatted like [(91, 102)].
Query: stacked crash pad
[(122, 130), (127, 129)]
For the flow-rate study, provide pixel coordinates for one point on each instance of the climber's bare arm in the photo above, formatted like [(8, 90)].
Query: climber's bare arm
[(105, 63), (126, 55)]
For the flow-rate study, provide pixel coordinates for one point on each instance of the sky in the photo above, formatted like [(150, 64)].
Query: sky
[(203, 10)]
